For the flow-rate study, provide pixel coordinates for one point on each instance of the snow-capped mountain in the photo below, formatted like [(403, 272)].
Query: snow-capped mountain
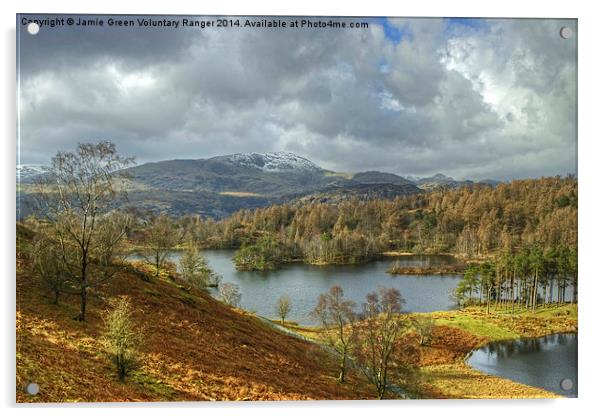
[(27, 172), (273, 162), (221, 185)]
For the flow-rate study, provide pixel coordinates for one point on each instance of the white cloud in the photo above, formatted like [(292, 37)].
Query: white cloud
[(498, 100)]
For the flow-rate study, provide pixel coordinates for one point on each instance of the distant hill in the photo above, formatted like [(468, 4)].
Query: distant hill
[(491, 182), (271, 174), (440, 180), (205, 203), (219, 186), (380, 177), (26, 173), (337, 194)]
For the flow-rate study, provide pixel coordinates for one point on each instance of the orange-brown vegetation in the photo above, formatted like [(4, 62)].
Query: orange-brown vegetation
[(473, 222), (427, 270), (195, 348), (443, 372), (445, 375)]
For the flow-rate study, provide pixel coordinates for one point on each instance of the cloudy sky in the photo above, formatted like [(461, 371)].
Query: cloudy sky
[(470, 98)]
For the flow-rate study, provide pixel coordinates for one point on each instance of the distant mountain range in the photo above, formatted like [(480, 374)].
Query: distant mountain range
[(27, 173), (218, 186)]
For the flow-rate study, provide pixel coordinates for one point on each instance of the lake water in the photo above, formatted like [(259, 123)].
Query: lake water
[(541, 362), (303, 283)]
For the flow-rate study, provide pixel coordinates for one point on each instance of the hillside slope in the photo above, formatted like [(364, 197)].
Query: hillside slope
[(335, 195), (271, 174), (195, 348)]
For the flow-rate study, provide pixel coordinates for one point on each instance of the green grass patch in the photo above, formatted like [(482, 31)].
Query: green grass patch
[(503, 324), (153, 386), (479, 327), (344, 175)]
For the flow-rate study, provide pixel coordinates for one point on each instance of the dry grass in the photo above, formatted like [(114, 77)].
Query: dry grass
[(397, 253), (345, 175), (198, 349), (503, 325), (460, 381), (195, 349), (441, 369), (427, 270), (443, 372)]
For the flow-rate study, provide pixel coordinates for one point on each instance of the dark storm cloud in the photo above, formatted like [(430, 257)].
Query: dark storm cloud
[(487, 99), (68, 46)]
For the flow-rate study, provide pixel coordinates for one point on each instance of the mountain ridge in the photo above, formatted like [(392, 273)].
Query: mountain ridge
[(220, 185)]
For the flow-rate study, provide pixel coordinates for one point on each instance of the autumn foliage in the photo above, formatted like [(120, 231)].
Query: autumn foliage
[(194, 348)]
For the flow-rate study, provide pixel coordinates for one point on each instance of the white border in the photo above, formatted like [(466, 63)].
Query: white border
[(589, 177)]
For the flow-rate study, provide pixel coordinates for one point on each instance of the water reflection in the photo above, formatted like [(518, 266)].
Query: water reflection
[(542, 362), (303, 283)]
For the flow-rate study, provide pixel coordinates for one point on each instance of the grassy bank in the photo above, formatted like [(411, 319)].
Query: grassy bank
[(195, 348), (427, 270), (443, 370)]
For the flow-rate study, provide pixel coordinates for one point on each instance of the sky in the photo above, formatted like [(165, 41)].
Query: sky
[(471, 98)]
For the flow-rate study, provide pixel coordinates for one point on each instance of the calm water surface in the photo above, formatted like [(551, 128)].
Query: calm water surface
[(541, 362), (303, 283)]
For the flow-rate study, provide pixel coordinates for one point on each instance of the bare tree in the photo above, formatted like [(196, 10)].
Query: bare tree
[(121, 338), (378, 336), (195, 269), (45, 256), (284, 305), (161, 235), (338, 320), (75, 198), (423, 325), (230, 293)]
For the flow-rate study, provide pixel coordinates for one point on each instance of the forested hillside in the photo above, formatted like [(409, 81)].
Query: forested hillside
[(472, 222)]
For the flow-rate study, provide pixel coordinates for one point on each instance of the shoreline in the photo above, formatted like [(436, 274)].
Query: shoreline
[(441, 270), (455, 378), (426, 271), (444, 371)]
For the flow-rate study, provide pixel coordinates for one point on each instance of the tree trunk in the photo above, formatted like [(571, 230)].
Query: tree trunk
[(574, 288), (342, 366), (534, 302), (545, 293), (120, 367), (499, 289), (488, 298), (564, 289), (84, 300), (157, 265), (83, 288), (512, 289)]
